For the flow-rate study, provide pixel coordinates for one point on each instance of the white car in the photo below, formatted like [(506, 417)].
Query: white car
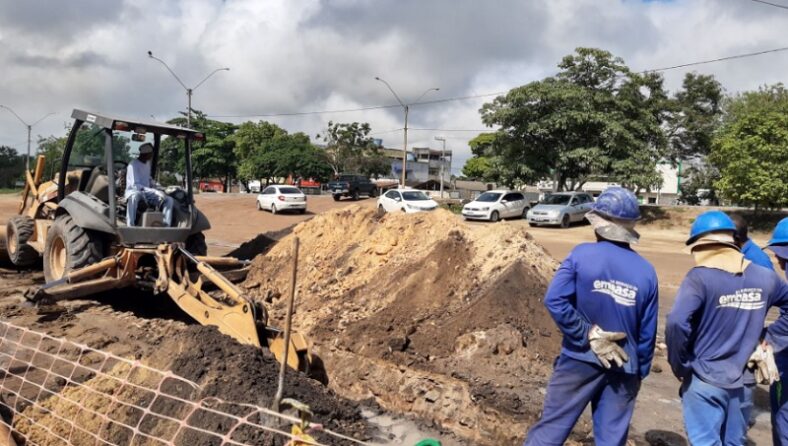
[(277, 198), (495, 205), (405, 200)]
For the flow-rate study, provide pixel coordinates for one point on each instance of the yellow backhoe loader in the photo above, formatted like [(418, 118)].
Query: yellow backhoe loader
[(78, 224)]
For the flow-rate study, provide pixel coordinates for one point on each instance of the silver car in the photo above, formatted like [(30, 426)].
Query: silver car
[(561, 208)]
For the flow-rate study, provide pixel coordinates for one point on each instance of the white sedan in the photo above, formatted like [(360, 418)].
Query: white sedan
[(405, 200), (276, 198)]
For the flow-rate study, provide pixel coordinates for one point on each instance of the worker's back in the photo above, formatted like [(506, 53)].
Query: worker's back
[(717, 321), (615, 288)]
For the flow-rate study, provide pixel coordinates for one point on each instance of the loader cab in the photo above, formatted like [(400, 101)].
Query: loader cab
[(92, 178)]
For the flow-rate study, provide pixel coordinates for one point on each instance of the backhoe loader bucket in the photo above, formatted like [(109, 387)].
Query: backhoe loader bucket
[(204, 293)]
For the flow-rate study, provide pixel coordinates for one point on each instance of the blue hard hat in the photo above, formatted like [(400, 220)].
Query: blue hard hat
[(779, 242), (711, 221), (617, 202)]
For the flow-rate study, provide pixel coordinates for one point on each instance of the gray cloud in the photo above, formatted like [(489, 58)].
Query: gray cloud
[(86, 59), (64, 20), (297, 55)]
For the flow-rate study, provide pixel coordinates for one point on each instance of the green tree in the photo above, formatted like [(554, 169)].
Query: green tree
[(595, 119), (12, 166), (477, 168), (213, 157), (52, 148), (266, 151), (255, 150), (751, 148), (349, 148), (694, 115)]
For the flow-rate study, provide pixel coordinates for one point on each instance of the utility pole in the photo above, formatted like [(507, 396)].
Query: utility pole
[(442, 160), (29, 131), (406, 109), (189, 91)]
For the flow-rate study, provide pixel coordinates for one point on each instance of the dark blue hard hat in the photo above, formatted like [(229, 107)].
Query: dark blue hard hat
[(617, 202), (711, 221), (779, 242)]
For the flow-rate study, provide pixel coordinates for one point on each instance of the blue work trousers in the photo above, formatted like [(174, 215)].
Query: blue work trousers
[(778, 396), (152, 198), (573, 385), (712, 415)]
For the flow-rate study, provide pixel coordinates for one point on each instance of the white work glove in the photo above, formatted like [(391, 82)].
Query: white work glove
[(762, 361), (603, 344)]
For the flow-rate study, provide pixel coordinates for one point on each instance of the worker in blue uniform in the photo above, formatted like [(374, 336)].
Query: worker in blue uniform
[(755, 254), (778, 394), (604, 300), (715, 330)]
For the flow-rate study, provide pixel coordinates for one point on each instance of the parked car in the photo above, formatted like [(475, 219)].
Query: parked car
[(352, 186), (277, 198), (495, 205), (562, 208), (405, 200)]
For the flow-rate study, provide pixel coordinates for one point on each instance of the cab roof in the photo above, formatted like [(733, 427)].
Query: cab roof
[(126, 124)]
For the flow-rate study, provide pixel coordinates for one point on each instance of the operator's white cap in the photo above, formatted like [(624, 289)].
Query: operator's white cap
[(146, 148)]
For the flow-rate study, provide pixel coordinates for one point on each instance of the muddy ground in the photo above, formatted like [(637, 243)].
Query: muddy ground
[(235, 220)]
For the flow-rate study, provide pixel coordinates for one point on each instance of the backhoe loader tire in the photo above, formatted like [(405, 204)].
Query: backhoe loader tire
[(196, 245), (19, 229), (70, 247)]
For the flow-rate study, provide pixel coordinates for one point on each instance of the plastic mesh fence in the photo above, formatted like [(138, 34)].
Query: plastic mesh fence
[(57, 392)]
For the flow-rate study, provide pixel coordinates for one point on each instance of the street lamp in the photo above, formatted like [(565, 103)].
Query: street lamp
[(29, 128), (443, 161), (406, 108), (188, 90)]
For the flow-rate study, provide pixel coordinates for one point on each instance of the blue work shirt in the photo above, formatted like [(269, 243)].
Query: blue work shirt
[(609, 285), (756, 255), (717, 321)]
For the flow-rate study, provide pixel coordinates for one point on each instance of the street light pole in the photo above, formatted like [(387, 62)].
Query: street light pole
[(406, 108), (442, 160), (29, 130), (189, 91)]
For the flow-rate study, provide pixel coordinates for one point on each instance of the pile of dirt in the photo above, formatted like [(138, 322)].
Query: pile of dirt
[(423, 312)]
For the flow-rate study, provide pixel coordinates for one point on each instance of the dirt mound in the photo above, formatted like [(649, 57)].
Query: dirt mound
[(456, 306)]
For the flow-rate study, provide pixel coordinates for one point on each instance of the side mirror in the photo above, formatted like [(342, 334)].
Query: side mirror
[(504, 201), (398, 199)]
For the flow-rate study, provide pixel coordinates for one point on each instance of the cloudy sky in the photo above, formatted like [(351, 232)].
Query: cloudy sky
[(290, 56)]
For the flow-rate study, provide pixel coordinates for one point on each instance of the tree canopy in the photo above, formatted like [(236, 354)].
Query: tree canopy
[(349, 148), (597, 119), (751, 148)]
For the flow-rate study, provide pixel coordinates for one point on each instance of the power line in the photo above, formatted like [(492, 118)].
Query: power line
[(721, 59), (770, 4), (454, 130), (498, 93)]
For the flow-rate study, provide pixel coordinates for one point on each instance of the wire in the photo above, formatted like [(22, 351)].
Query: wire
[(453, 130), (770, 4), (721, 59)]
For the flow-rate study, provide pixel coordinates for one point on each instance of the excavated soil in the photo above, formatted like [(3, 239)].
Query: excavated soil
[(423, 313), (223, 368)]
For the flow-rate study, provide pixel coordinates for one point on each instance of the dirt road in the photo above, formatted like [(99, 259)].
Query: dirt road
[(658, 414)]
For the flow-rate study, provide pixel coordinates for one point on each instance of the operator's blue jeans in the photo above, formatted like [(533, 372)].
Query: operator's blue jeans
[(573, 385), (134, 198), (712, 415)]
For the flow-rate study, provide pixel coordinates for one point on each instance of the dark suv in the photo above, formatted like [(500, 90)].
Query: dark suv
[(348, 185)]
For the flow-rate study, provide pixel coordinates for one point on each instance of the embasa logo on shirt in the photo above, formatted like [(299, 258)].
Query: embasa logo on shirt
[(622, 293), (744, 299)]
